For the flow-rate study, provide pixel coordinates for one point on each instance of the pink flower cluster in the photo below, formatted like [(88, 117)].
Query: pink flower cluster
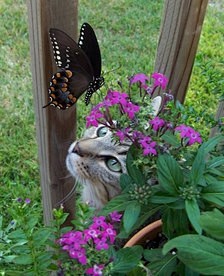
[(189, 135), (100, 112), (99, 236)]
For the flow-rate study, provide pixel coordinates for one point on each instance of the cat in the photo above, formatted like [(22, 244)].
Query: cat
[(96, 161)]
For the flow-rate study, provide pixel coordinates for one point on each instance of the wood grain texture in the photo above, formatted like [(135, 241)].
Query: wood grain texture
[(55, 128), (179, 37)]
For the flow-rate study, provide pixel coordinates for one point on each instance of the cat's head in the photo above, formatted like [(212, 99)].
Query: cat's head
[(96, 161)]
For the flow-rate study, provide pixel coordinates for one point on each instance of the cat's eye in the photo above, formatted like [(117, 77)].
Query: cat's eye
[(113, 165), (102, 131)]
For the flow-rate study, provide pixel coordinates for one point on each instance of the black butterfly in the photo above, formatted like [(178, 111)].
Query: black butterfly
[(80, 67)]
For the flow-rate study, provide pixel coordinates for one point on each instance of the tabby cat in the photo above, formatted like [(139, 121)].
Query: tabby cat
[(96, 161)]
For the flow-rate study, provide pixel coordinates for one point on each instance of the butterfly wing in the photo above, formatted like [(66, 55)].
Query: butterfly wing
[(89, 44)]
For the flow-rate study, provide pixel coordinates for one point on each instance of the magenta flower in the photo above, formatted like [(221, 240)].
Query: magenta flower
[(115, 216), (157, 123), (99, 222), (96, 270), (80, 255), (92, 118), (91, 233), (122, 133), (160, 80), (116, 97), (183, 129), (149, 149), (137, 135), (144, 141), (101, 244), (141, 78), (194, 137), (130, 109), (110, 233), (190, 134)]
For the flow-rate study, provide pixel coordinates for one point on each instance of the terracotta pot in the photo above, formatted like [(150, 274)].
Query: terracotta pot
[(147, 233)]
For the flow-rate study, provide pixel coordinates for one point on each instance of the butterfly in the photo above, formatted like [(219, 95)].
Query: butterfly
[(80, 67)]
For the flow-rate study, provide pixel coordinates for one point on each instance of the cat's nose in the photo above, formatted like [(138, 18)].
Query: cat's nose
[(77, 149)]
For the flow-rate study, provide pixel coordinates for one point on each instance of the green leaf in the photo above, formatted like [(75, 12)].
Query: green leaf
[(163, 267), (163, 198), (199, 253), (169, 174), (193, 213), (125, 181), (131, 215), (133, 171), (198, 169), (214, 193), (171, 139), (175, 222), (211, 143), (40, 236), (213, 223), (23, 259), (216, 162), (127, 258), (118, 203)]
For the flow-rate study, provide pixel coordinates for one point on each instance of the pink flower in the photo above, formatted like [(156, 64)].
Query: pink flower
[(130, 109), (116, 97), (115, 216), (99, 222), (141, 78), (183, 129), (150, 149), (160, 80), (92, 118), (190, 134), (137, 135), (91, 233), (122, 133), (157, 123), (101, 244), (95, 270), (80, 255), (110, 233), (144, 141), (194, 137)]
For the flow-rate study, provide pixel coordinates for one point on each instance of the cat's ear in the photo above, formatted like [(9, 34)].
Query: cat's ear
[(156, 104)]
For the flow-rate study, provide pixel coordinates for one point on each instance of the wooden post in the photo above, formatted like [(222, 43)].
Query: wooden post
[(179, 37), (55, 128)]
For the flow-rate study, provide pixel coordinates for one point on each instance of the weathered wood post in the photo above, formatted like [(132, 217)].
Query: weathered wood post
[(55, 128), (178, 41)]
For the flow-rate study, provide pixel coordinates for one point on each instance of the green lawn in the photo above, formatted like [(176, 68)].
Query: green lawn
[(127, 31)]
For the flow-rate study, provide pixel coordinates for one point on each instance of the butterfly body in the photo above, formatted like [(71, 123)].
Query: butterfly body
[(80, 67)]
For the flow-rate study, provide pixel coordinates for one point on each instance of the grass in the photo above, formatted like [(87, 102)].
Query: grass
[(128, 33)]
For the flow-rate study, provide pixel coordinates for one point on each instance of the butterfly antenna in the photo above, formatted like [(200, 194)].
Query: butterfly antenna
[(115, 69)]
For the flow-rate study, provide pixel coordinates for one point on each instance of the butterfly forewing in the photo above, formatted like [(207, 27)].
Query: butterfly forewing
[(67, 53), (89, 44)]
